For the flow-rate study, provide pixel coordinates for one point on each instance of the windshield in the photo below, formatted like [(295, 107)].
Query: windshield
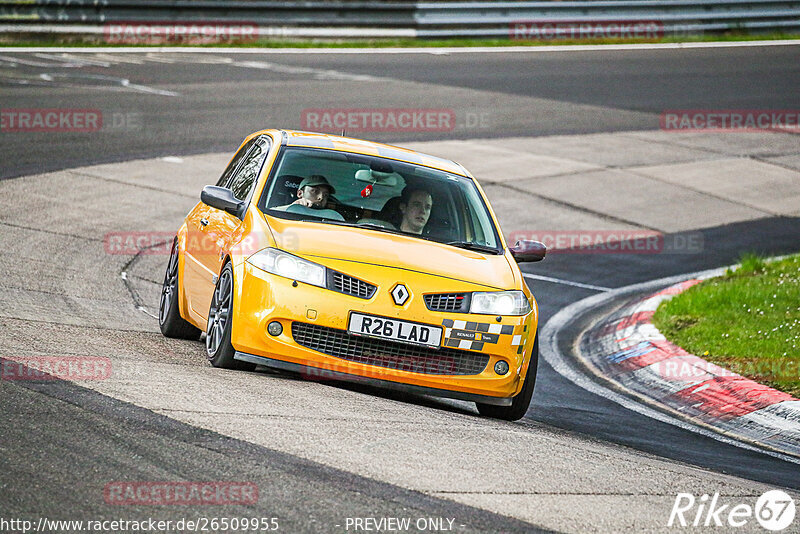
[(379, 194)]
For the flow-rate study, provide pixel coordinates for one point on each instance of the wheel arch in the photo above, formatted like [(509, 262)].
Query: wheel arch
[(183, 304)]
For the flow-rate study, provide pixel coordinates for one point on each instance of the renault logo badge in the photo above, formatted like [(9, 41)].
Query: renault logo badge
[(400, 294)]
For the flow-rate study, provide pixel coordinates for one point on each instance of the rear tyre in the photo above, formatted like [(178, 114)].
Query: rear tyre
[(169, 315), (520, 403), (220, 319)]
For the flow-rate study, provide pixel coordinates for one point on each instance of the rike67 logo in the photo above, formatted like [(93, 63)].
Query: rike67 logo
[(774, 510)]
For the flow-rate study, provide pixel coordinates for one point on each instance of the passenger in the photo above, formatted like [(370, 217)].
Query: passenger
[(313, 192), (415, 205)]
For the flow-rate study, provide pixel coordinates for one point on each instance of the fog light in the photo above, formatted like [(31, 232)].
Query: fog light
[(501, 367), (275, 329)]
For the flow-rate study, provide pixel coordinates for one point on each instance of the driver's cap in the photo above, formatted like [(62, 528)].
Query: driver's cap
[(315, 180)]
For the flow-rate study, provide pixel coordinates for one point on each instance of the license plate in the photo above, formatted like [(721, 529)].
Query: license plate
[(395, 330)]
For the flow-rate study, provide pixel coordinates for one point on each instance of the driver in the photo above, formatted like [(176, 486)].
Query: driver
[(415, 205), (313, 192)]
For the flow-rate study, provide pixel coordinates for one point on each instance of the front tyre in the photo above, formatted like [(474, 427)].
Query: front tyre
[(520, 403), (169, 315), (220, 318)]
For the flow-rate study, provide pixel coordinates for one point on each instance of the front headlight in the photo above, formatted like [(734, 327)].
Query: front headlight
[(287, 265), (500, 303)]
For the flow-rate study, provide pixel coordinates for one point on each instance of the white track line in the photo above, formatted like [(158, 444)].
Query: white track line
[(564, 282), (417, 50), (144, 310), (34, 63), (551, 353)]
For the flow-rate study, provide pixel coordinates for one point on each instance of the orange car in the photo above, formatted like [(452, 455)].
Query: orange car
[(352, 260)]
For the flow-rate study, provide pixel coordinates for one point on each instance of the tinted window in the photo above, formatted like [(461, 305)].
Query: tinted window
[(248, 171)]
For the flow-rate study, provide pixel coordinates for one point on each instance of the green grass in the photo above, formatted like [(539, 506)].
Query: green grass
[(97, 41), (747, 321)]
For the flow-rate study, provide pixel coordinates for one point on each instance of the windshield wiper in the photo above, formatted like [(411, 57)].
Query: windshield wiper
[(369, 226), (474, 246)]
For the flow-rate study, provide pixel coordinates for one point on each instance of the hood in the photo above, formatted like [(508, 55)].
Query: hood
[(317, 241)]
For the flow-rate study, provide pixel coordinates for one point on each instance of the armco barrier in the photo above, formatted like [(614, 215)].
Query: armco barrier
[(374, 18)]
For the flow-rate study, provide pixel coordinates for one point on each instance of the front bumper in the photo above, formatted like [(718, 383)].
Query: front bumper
[(316, 373), (262, 297)]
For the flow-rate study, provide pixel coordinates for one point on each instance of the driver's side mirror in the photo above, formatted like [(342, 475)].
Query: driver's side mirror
[(528, 251), (222, 199)]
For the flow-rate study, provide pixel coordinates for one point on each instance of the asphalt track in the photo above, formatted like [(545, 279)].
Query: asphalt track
[(63, 441), (220, 96)]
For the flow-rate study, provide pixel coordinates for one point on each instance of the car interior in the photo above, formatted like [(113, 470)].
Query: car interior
[(368, 191)]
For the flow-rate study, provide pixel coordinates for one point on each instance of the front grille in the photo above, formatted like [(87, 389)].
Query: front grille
[(351, 286), (449, 302), (388, 354)]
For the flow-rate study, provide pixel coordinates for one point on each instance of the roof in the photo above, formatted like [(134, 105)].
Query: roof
[(360, 146)]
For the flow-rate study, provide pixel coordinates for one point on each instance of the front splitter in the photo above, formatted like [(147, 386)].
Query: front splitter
[(385, 384)]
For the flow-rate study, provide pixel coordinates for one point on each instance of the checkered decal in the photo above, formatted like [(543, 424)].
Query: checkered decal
[(472, 335)]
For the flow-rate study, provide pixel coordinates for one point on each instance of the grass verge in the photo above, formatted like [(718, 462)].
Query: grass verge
[(747, 321)]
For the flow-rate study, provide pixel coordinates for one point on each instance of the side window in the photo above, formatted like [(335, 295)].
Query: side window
[(224, 180), (246, 176)]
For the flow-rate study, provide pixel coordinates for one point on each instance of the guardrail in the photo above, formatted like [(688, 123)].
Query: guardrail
[(386, 18)]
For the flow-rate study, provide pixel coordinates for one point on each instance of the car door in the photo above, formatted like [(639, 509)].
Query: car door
[(222, 228), (196, 277)]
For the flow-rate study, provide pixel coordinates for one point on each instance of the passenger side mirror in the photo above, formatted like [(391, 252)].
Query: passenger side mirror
[(528, 251), (222, 199)]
